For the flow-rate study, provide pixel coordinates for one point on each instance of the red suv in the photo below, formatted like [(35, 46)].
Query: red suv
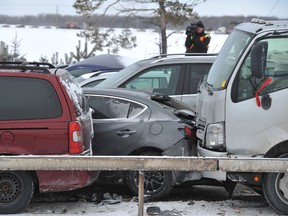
[(42, 112)]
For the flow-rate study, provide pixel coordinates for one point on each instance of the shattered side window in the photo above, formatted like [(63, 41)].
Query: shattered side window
[(107, 107)]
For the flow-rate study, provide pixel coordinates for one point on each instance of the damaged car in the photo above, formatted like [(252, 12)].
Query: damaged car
[(131, 122)]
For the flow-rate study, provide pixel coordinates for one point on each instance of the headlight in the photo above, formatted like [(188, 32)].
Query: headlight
[(215, 136)]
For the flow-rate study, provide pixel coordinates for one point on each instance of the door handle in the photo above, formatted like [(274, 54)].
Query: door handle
[(125, 132)]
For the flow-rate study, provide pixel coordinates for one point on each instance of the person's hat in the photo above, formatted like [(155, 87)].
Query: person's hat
[(199, 24)]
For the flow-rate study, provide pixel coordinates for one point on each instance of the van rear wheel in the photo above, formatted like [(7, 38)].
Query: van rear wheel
[(16, 191)]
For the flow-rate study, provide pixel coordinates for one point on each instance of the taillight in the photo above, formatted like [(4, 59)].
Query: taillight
[(75, 138), (190, 133)]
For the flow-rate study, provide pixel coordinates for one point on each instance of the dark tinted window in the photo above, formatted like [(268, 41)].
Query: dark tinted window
[(28, 98), (197, 71), (111, 107)]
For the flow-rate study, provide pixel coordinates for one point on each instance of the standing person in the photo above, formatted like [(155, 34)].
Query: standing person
[(197, 41)]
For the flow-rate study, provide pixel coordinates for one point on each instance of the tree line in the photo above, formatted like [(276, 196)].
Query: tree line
[(212, 23)]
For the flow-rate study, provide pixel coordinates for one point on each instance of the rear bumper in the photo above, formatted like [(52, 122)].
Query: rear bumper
[(52, 181), (183, 148)]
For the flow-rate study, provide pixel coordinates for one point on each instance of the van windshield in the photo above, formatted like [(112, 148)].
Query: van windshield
[(227, 59)]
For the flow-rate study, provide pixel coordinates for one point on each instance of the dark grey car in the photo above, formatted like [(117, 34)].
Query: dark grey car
[(175, 75), (128, 122)]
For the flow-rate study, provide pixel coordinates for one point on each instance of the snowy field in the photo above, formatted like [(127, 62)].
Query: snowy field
[(37, 42)]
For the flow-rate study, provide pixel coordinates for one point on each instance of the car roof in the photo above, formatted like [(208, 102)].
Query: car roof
[(257, 26), (26, 67), (95, 78), (184, 58), (103, 62), (93, 74)]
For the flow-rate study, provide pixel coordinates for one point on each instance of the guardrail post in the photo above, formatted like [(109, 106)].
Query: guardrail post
[(141, 193)]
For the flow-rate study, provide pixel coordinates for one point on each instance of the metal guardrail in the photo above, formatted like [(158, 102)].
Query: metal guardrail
[(141, 164)]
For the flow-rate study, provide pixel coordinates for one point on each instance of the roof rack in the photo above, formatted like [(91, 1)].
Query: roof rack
[(184, 54), (24, 66)]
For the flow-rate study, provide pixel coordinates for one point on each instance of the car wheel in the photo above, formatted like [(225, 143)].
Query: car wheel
[(16, 191), (276, 191), (157, 184)]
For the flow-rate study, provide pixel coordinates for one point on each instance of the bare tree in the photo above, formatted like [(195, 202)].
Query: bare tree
[(161, 13), (100, 38)]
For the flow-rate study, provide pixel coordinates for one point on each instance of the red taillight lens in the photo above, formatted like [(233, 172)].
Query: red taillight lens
[(75, 138), (190, 133)]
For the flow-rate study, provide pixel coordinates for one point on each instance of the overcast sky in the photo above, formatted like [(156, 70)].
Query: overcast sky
[(256, 8)]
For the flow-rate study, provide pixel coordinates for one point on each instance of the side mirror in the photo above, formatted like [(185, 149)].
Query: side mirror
[(259, 59)]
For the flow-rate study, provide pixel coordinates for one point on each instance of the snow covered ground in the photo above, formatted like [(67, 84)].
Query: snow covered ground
[(175, 208), (199, 201), (38, 42)]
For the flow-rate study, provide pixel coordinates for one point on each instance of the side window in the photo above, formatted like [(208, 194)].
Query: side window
[(197, 71), (276, 68), (161, 79), (28, 98), (111, 107)]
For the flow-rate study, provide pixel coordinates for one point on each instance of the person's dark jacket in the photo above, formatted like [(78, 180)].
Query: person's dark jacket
[(197, 43)]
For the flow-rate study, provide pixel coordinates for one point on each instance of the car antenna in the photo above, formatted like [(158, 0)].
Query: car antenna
[(273, 8)]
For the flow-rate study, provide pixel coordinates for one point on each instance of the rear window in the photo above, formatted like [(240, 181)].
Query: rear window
[(28, 98)]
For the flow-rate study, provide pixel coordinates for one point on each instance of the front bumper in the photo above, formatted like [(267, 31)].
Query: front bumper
[(220, 176)]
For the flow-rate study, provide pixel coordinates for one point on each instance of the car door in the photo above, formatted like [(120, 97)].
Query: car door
[(255, 126), (118, 123)]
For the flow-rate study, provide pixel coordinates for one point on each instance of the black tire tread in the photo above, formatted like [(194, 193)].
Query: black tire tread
[(24, 198), (166, 190)]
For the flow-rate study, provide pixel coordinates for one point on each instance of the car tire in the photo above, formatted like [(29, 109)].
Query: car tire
[(16, 191), (157, 184), (275, 190)]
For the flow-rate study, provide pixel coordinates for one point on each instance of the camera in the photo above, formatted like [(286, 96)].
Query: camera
[(192, 28)]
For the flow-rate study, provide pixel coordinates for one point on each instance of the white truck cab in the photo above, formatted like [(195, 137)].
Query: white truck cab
[(242, 105)]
